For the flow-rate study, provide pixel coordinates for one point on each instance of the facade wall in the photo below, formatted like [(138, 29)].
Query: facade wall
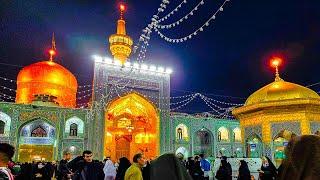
[(22, 115), (111, 82), (227, 147)]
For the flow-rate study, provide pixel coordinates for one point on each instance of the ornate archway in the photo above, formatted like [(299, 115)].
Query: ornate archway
[(203, 142), (280, 142), (254, 146), (131, 126), (36, 141)]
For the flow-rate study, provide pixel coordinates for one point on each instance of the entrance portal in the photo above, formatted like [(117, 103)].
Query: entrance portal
[(132, 126), (36, 142), (122, 147), (279, 143), (203, 142)]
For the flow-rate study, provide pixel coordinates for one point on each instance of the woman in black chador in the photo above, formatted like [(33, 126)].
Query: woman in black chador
[(168, 167), (268, 171), (225, 171), (244, 172), (124, 164), (302, 159)]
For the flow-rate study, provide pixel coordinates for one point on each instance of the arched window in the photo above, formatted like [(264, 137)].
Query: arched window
[(182, 132), (223, 134), (179, 132), (73, 129), (237, 134), (219, 136), (38, 132), (2, 124), (78, 127)]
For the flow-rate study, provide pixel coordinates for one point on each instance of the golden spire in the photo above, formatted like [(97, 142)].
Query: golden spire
[(275, 62), (52, 51), (120, 43)]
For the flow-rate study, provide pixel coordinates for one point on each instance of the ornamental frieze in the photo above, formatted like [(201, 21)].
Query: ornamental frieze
[(25, 116)]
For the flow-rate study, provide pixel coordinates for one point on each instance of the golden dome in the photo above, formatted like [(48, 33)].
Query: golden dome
[(281, 90), (46, 78)]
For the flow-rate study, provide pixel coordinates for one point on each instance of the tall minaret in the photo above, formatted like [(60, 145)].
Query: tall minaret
[(120, 43)]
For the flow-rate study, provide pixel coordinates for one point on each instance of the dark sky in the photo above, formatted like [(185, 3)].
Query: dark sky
[(229, 58)]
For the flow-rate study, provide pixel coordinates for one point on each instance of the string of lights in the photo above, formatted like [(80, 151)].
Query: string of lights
[(186, 103), (146, 32), (220, 108), (221, 102), (173, 11), (191, 35), (176, 23), (7, 79)]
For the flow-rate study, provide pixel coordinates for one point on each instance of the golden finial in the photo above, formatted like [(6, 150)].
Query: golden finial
[(52, 51), (275, 62), (122, 9)]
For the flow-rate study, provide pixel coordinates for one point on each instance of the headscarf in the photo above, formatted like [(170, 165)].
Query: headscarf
[(168, 166), (109, 169), (124, 164), (302, 159)]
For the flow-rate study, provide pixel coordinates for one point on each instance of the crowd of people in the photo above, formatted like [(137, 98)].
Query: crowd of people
[(302, 163)]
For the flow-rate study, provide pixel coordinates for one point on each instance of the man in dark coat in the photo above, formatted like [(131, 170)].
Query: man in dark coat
[(64, 171), (88, 169)]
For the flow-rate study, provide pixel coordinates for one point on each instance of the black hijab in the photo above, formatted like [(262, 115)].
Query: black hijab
[(168, 166), (124, 164)]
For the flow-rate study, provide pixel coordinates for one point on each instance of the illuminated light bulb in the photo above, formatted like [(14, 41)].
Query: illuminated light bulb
[(122, 7), (52, 52), (127, 64), (136, 65), (117, 63), (160, 69), (275, 62), (108, 60), (168, 71), (97, 58), (144, 67), (153, 68)]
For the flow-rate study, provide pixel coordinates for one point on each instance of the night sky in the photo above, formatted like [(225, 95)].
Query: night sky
[(229, 58)]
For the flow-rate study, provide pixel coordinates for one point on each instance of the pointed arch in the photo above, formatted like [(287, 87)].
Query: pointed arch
[(223, 134), (237, 134), (74, 121), (5, 125), (134, 109), (182, 132)]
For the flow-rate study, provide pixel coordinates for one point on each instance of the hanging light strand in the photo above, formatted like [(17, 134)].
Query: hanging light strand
[(191, 35), (144, 38), (176, 23), (173, 11)]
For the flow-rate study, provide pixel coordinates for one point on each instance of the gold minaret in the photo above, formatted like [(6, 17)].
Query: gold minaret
[(120, 43)]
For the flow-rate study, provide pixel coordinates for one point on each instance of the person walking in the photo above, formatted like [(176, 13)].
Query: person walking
[(109, 170), (205, 166), (134, 171), (63, 169), (197, 173), (124, 164), (268, 171), (244, 172), (168, 167), (6, 153), (302, 159), (87, 169), (224, 172)]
